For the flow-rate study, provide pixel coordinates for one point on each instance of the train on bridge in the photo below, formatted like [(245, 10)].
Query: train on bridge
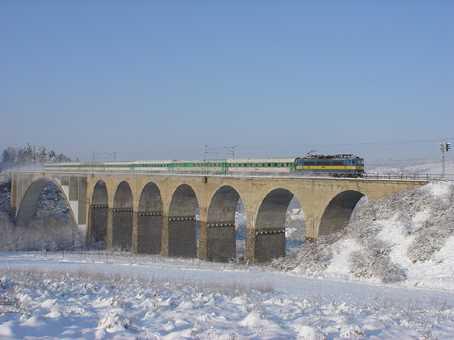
[(340, 165)]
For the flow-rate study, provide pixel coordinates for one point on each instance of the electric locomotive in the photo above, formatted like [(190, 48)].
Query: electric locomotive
[(341, 165)]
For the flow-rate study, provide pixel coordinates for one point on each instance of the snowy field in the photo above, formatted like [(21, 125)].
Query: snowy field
[(92, 296)]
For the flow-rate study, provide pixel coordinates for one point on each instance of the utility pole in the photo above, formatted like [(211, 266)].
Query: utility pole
[(205, 155), (444, 147), (231, 150)]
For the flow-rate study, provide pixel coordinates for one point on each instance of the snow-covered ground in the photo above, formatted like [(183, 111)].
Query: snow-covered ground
[(56, 296)]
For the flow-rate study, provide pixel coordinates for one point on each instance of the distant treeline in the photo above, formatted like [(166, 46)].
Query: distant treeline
[(28, 155)]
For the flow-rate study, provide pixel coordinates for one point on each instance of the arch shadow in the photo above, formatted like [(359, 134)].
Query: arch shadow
[(221, 225), (270, 225), (182, 223), (149, 220), (338, 212), (122, 217), (99, 215)]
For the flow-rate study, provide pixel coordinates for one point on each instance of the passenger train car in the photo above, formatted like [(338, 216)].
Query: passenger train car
[(342, 165)]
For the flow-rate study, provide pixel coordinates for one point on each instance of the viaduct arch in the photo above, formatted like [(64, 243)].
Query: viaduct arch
[(338, 212), (221, 234), (182, 223), (27, 209), (122, 217), (192, 215), (98, 215), (149, 220), (270, 225)]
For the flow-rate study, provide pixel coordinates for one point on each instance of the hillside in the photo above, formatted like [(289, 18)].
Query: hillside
[(407, 238)]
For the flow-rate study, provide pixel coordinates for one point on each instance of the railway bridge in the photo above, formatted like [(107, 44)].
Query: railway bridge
[(194, 215)]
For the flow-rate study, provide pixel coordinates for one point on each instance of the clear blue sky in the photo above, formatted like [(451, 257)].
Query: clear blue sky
[(159, 79)]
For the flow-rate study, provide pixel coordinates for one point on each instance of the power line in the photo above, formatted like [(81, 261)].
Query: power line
[(394, 142)]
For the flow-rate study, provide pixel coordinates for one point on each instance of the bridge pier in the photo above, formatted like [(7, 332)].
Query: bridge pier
[(269, 244), (147, 232), (98, 221), (202, 244), (122, 226), (182, 239), (250, 245), (222, 242), (165, 236)]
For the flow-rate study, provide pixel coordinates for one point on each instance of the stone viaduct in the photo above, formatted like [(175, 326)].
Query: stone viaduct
[(160, 214)]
